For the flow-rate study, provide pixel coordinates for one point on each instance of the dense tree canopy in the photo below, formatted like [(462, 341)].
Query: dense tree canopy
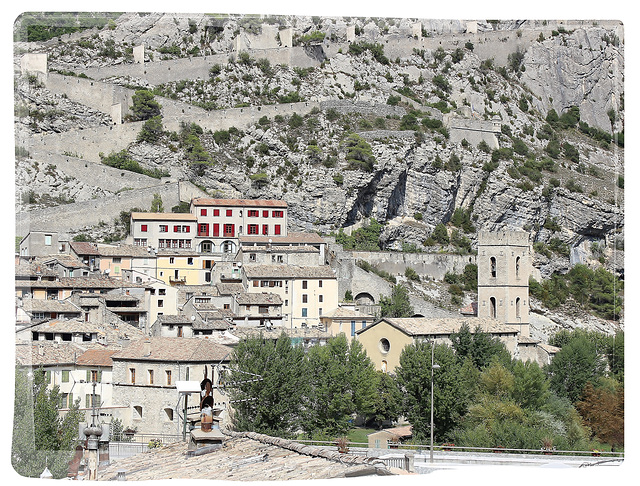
[(36, 410)]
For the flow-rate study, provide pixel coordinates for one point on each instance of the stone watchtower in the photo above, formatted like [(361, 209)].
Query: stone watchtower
[(504, 266)]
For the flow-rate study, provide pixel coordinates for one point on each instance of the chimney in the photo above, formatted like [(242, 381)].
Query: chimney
[(146, 347)]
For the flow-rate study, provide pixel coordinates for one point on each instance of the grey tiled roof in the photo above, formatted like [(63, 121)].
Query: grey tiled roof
[(288, 271), (420, 326), (263, 298), (48, 305), (291, 238), (195, 350), (47, 353), (246, 456)]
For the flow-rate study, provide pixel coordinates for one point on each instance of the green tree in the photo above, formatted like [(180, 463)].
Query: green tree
[(575, 365), (144, 105), (272, 404), (453, 384), (480, 347), (398, 305), (530, 385), (341, 382), (440, 234), (152, 130), (359, 153), (41, 438), (156, 204), (387, 400)]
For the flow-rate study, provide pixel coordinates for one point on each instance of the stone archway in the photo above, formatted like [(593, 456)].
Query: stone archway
[(364, 298)]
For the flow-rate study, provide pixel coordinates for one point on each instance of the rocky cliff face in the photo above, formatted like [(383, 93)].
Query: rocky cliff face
[(563, 185)]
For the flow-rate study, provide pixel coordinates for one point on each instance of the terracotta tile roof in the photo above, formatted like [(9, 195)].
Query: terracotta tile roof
[(96, 357), (287, 271), (123, 250), (80, 283), (112, 333), (402, 431), (84, 248), (194, 350), (246, 456), (346, 313), (420, 326), (204, 201), (68, 261), (229, 288), (163, 216), (33, 269), (291, 238)]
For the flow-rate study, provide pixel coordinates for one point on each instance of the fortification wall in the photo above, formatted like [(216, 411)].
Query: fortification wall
[(434, 265), (96, 95), (74, 217)]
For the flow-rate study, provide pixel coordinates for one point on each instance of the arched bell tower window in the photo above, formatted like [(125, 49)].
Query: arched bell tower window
[(518, 308), (493, 267), (517, 267), (492, 307)]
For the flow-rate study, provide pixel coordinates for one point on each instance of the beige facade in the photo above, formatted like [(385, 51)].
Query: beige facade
[(345, 320), (162, 230), (504, 266), (385, 339), (306, 292)]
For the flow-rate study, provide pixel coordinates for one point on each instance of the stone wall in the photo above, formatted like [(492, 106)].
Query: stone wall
[(74, 217)]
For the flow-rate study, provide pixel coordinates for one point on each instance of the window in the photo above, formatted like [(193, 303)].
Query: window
[(172, 260), (256, 283), (216, 212), (169, 414), (517, 267), (168, 373), (276, 229), (493, 267), (229, 213), (137, 412), (203, 229), (164, 228), (65, 376), (132, 375), (320, 297), (203, 212), (228, 230), (47, 240), (150, 377), (265, 229), (94, 375), (160, 303), (117, 259), (320, 283), (179, 331), (277, 214), (304, 312), (252, 256), (492, 307), (353, 328), (143, 228), (253, 213), (66, 400), (384, 345), (265, 213), (92, 400), (189, 260), (162, 291), (518, 308), (364, 324), (304, 298), (304, 284), (140, 241), (253, 229), (227, 306), (319, 311), (263, 309)]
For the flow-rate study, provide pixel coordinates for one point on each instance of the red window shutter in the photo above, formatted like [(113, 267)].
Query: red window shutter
[(176, 229), (265, 213), (216, 212), (188, 229), (229, 212), (265, 229), (216, 229), (277, 229), (143, 228), (203, 212)]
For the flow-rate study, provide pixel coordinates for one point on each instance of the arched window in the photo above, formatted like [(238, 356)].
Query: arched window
[(492, 307), (494, 270), (517, 267), (518, 308), (384, 366)]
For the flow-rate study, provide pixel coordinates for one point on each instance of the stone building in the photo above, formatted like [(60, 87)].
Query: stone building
[(504, 266), (145, 375)]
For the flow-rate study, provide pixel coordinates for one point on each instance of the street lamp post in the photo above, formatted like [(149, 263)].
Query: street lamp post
[(433, 367)]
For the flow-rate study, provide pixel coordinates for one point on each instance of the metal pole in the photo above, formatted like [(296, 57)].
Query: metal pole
[(431, 448), (184, 421)]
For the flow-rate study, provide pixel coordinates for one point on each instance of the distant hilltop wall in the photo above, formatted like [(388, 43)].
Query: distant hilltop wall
[(76, 216)]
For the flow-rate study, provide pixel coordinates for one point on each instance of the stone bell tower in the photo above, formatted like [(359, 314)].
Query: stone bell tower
[(504, 266)]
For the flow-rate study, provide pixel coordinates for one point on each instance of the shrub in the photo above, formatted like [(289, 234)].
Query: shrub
[(359, 153), (411, 274)]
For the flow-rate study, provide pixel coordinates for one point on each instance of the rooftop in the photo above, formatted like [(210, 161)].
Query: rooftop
[(96, 357), (123, 250), (205, 201), (194, 350), (262, 298), (292, 238), (346, 313), (246, 456), (47, 353), (84, 248), (163, 216), (288, 271), (421, 326), (48, 305)]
